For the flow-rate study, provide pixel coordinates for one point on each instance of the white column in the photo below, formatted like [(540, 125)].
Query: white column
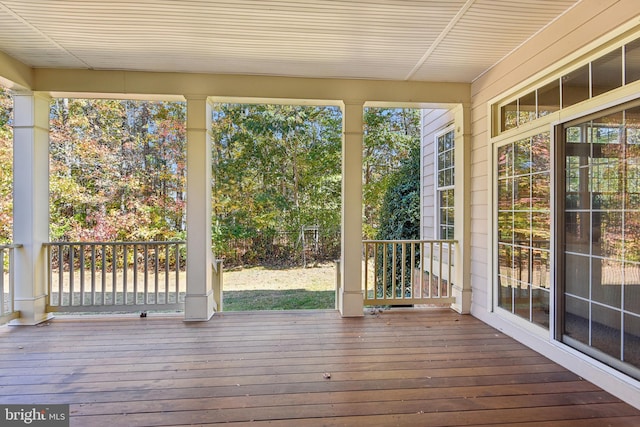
[(351, 296), (199, 302), (461, 289), (30, 205)]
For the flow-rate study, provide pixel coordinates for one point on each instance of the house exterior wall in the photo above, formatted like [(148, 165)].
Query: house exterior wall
[(582, 29), (433, 121)]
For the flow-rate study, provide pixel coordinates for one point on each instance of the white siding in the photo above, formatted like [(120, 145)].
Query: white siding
[(578, 29), (433, 121)]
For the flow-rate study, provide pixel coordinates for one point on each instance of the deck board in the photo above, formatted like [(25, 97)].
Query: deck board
[(405, 367)]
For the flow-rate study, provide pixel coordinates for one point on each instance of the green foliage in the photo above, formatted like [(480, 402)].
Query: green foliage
[(117, 170), (400, 211), (6, 166), (400, 220), (276, 168), (389, 135)]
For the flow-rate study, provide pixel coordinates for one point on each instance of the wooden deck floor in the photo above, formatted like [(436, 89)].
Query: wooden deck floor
[(409, 368)]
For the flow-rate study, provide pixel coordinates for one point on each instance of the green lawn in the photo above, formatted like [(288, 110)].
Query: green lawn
[(271, 299)]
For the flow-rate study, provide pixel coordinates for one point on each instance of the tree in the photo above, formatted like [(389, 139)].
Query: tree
[(276, 168), (117, 170), (389, 135), (6, 166), (400, 219)]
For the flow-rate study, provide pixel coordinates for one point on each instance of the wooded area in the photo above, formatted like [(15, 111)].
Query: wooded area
[(118, 173)]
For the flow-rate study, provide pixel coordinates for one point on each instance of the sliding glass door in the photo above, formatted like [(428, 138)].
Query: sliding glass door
[(599, 237)]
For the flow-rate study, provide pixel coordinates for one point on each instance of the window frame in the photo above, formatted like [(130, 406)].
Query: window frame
[(439, 189)]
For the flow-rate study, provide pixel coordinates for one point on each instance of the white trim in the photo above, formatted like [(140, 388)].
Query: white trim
[(570, 63), (449, 128), (496, 143), (611, 380), (622, 35), (616, 382)]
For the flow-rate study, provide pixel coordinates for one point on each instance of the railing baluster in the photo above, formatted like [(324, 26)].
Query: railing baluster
[(403, 270), (135, 274), (114, 273), (166, 274), (431, 276), (81, 253), (155, 273), (146, 275), (440, 278), (393, 270), (412, 269), (125, 267), (422, 255), (104, 274), (375, 271), (384, 270), (2, 291), (450, 265), (177, 272), (93, 274), (11, 279), (71, 274)]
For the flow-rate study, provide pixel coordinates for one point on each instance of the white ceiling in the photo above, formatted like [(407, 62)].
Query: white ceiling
[(434, 40)]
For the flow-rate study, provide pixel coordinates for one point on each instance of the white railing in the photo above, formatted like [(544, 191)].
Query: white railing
[(408, 272), (116, 276), (7, 311)]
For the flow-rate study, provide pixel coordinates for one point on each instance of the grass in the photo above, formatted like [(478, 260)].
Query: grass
[(271, 299), (263, 288)]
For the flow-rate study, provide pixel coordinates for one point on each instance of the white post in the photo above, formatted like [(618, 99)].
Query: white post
[(461, 289), (30, 205), (199, 301), (351, 302)]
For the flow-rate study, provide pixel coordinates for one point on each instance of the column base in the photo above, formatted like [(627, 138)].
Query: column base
[(351, 303), (32, 311), (199, 308), (463, 300)]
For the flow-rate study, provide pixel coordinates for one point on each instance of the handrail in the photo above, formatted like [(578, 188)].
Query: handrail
[(123, 242), (413, 241), (11, 246)]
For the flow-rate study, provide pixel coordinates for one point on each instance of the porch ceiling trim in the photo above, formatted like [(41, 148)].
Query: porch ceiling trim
[(14, 74), (94, 83)]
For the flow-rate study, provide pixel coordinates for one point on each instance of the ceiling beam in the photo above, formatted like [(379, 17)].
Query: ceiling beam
[(95, 83), (14, 74)]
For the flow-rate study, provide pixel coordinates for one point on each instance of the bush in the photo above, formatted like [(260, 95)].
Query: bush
[(400, 220)]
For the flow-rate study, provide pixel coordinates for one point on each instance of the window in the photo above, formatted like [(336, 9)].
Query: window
[(524, 227), (599, 266), (445, 189), (609, 71)]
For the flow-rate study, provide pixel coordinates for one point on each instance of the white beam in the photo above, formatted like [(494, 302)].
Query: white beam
[(30, 204), (260, 88), (351, 297), (199, 301)]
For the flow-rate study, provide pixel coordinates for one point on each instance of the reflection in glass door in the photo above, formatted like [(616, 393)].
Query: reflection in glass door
[(599, 238), (524, 227)]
